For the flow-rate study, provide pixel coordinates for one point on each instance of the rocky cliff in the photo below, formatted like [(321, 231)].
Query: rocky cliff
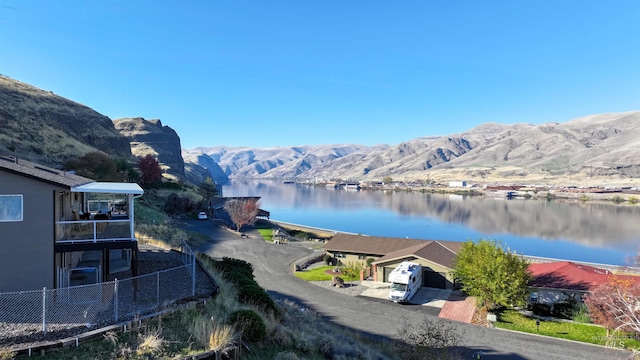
[(151, 137), (48, 129)]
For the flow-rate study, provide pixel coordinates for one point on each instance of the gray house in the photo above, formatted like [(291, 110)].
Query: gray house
[(58, 229)]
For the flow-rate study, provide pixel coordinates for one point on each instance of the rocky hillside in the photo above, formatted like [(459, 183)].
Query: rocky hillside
[(43, 127), (40, 126), (284, 162), (605, 145), (195, 163), (151, 137)]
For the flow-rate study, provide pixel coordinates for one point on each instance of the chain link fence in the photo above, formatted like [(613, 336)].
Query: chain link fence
[(100, 304)]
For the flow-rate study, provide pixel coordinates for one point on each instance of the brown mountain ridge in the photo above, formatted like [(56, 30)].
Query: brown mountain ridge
[(599, 149)]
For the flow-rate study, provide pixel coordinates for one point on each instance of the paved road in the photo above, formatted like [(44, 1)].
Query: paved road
[(379, 318)]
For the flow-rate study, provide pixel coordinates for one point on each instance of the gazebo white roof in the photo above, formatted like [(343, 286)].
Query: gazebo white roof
[(109, 187)]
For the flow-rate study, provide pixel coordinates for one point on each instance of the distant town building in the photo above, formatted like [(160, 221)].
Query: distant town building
[(457, 184)]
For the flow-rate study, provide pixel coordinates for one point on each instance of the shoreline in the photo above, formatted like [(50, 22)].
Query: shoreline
[(531, 258), (570, 193)]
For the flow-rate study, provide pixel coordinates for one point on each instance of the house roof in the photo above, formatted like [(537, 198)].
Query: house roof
[(218, 202), (567, 275), (41, 172), (109, 187), (391, 248), (373, 245), (439, 252)]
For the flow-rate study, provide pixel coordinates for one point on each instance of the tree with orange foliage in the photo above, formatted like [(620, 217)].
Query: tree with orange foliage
[(616, 305), (242, 212)]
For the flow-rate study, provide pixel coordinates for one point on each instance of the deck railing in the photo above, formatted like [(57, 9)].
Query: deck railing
[(93, 231)]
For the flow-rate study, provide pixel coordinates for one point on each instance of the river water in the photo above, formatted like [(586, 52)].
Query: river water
[(591, 232)]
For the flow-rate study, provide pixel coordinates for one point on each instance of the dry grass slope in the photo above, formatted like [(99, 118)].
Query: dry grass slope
[(48, 129)]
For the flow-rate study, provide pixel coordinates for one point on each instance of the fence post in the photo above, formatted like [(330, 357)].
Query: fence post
[(44, 310), (115, 300), (193, 274)]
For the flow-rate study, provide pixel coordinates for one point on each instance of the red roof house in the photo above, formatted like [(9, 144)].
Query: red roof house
[(566, 275)]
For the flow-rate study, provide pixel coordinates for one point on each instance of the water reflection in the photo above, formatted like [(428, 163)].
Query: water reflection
[(591, 224)]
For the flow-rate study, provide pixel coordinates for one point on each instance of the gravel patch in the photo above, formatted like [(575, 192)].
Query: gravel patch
[(28, 332)]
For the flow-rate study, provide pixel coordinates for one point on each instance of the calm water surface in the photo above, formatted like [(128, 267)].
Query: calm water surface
[(600, 233)]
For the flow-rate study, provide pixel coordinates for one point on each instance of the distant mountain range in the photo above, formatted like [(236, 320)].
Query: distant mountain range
[(43, 127), (597, 146)]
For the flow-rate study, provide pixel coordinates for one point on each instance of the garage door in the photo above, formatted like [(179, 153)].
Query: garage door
[(385, 273), (434, 279)]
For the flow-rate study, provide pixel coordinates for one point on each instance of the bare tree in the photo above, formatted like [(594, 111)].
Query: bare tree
[(616, 305), (242, 212), (429, 339)]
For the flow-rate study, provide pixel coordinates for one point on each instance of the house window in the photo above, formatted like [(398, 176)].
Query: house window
[(10, 208), (362, 257), (339, 255)]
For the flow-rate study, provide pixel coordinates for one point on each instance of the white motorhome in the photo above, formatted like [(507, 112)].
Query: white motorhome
[(405, 280)]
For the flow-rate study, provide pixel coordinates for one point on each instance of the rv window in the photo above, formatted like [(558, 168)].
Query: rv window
[(398, 287)]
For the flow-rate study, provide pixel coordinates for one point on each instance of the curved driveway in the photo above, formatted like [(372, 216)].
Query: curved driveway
[(272, 268)]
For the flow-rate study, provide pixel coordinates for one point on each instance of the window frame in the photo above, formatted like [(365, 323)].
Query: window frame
[(9, 205)]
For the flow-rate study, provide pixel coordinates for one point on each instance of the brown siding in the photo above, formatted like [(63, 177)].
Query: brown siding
[(349, 257), (385, 268), (26, 247)]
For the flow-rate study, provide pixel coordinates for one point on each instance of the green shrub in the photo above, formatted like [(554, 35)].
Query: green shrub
[(541, 309), (584, 198), (250, 323), (633, 200), (240, 273), (369, 261), (565, 308), (327, 259), (288, 355), (300, 234), (235, 268), (581, 314), (352, 269), (165, 185), (253, 294), (617, 199)]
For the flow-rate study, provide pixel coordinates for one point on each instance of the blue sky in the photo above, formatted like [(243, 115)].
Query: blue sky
[(282, 73)]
